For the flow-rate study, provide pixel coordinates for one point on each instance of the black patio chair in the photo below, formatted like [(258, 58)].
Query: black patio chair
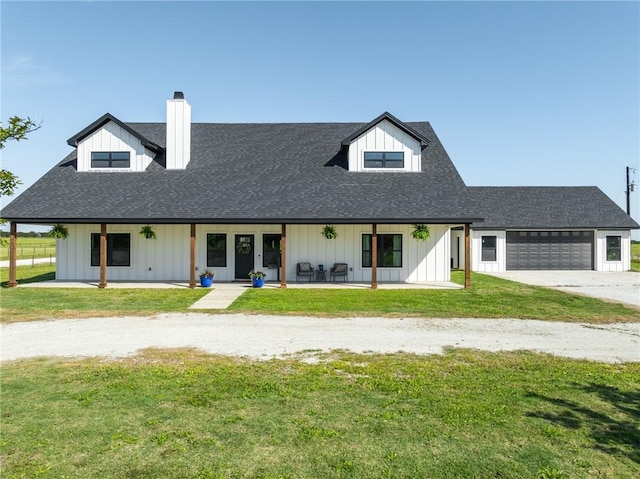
[(337, 270), (305, 269)]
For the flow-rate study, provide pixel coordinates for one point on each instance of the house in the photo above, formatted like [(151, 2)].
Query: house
[(233, 197)]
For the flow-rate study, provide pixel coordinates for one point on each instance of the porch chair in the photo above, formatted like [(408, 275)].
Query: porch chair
[(339, 269), (305, 269)]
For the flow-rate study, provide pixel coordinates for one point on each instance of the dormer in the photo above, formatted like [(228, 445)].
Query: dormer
[(385, 145), (108, 145)]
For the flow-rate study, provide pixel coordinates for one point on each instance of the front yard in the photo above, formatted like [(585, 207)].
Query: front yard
[(489, 297), (182, 414)]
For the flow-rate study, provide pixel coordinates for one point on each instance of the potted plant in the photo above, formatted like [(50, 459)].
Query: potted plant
[(59, 231), (257, 278), (206, 278), (329, 232), (147, 232), (420, 232)]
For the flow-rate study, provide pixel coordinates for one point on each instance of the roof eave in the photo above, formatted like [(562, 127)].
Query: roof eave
[(103, 120), (424, 142)]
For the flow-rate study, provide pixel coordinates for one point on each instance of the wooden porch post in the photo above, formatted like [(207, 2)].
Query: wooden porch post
[(374, 256), (12, 255), (192, 257), (283, 256), (103, 256), (467, 257)]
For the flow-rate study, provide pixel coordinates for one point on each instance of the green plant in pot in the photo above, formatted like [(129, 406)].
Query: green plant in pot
[(206, 278), (420, 232), (59, 231), (147, 232), (329, 232), (257, 278)]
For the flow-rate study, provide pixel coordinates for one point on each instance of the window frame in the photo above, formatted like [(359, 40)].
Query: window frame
[(271, 237), (489, 249), (210, 257), (95, 249), (111, 160), (367, 258), (383, 159), (609, 249)]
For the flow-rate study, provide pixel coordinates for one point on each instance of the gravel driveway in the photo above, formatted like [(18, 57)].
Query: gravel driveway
[(261, 336)]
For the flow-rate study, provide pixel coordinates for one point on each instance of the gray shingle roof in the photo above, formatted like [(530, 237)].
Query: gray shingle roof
[(261, 173), (548, 207)]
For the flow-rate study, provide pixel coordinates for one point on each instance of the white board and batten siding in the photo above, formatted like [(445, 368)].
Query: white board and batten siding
[(113, 138), (476, 252), (162, 259), (421, 261), (167, 257), (601, 263), (385, 136)]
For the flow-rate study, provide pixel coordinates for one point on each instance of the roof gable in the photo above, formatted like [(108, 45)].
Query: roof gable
[(103, 120), (424, 142)]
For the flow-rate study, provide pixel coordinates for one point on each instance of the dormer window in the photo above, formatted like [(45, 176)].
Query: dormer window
[(384, 159), (110, 159)]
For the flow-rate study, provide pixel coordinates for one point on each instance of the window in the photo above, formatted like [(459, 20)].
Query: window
[(110, 159), (488, 248), (384, 159), (217, 250), (614, 251), (270, 250), (389, 251), (118, 249)]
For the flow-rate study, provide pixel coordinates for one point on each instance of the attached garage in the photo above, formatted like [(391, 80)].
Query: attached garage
[(550, 250)]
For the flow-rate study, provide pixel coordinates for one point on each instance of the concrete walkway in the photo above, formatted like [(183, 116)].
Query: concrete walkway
[(221, 297)]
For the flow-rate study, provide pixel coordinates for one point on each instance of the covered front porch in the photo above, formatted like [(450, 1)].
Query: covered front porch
[(375, 254)]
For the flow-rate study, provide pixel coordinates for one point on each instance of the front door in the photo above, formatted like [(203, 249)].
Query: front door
[(244, 256)]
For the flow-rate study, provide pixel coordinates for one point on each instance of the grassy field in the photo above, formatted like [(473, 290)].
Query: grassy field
[(179, 414), (25, 304), (635, 256), (489, 297), (28, 248)]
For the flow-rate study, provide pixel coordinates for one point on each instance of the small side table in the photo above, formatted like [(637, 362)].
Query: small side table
[(321, 275)]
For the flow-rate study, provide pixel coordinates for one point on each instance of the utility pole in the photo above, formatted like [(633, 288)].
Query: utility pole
[(628, 194), (630, 187)]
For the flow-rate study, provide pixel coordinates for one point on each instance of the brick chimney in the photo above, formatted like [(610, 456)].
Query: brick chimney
[(178, 132)]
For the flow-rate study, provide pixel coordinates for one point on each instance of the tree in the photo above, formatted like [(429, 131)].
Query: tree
[(18, 129)]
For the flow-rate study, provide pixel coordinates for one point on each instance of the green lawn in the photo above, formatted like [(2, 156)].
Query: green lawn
[(635, 257), (179, 414), (25, 304), (489, 297), (28, 248)]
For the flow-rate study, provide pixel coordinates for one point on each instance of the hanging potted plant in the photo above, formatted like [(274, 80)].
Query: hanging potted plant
[(329, 232), (59, 231), (206, 278), (147, 232), (420, 232), (257, 278)]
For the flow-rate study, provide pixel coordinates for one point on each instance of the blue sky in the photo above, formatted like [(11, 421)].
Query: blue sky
[(520, 93)]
